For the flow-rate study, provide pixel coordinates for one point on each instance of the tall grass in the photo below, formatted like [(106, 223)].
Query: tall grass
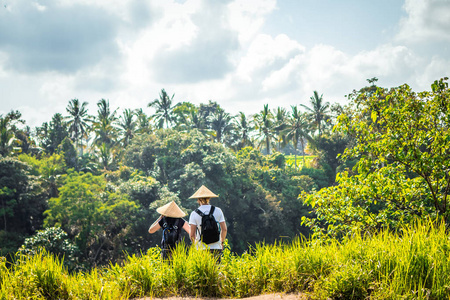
[(410, 264)]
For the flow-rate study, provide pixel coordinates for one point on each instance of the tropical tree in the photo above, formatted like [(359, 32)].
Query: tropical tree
[(243, 129), (296, 130), (77, 121), (280, 119), (106, 156), (221, 124), (264, 122), (185, 116), (22, 199), (25, 140), (103, 124), (164, 109), (206, 110), (53, 134), (7, 132), (142, 122), (318, 112), (127, 126), (91, 214), (402, 143)]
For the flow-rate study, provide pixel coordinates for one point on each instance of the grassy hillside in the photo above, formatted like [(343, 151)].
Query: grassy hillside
[(411, 264)]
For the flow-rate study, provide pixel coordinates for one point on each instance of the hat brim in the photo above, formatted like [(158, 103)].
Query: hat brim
[(203, 192), (171, 210)]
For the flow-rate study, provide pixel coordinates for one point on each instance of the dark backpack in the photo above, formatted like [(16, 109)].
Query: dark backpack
[(210, 231), (171, 234)]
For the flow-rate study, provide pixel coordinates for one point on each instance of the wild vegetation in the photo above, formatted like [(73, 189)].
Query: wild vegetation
[(322, 201), (410, 264)]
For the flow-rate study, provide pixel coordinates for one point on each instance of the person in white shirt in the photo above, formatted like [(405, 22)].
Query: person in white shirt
[(203, 196)]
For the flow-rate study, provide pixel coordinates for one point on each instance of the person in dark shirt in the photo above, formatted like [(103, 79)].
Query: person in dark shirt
[(171, 221)]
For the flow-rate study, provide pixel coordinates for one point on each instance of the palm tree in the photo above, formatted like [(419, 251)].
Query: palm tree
[(220, 122), (105, 156), (197, 121), (77, 121), (142, 122), (103, 124), (127, 126), (243, 129), (296, 130), (265, 124), (280, 119), (54, 133), (164, 109), (318, 112), (7, 132)]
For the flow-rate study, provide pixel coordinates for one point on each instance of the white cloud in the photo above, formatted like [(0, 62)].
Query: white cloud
[(247, 16), (207, 55), (436, 69), (426, 20), (266, 55)]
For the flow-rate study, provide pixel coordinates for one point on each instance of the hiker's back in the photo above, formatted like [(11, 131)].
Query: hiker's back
[(171, 231), (196, 218)]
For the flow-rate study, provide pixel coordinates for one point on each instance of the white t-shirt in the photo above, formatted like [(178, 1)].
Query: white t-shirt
[(195, 219)]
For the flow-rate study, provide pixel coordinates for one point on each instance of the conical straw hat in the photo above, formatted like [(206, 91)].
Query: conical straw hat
[(171, 210), (204, 192)]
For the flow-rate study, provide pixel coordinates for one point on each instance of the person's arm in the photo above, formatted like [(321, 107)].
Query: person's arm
[(155, 226), (223, 231), (192, 232), (187, 228)]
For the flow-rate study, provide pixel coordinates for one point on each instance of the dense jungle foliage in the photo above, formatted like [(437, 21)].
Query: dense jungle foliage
[(86, 187)]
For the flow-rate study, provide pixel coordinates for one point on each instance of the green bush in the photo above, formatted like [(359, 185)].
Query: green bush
[(55, 241)]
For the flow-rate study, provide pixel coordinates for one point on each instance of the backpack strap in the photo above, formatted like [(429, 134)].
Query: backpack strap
[(176, 224), (165, 225), (200, 213)]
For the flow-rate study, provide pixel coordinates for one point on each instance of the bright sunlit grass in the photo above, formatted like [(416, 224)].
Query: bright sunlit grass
[(411, 264), (290, 160)]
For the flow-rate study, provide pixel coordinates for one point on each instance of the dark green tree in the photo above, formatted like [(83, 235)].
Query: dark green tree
[(164, 109), (96, 218), (22, 202), (221, 124), (53, 134)]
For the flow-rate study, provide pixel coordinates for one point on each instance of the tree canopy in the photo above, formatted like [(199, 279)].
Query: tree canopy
[(402, 141)]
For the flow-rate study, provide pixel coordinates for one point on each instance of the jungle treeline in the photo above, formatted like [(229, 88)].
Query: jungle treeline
[(86, 185)]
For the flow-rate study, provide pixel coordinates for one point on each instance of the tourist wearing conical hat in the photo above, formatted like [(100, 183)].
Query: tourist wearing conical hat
[(211, 239), (171, 221)]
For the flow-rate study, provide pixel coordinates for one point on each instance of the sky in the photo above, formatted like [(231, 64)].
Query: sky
[(242, 54)]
